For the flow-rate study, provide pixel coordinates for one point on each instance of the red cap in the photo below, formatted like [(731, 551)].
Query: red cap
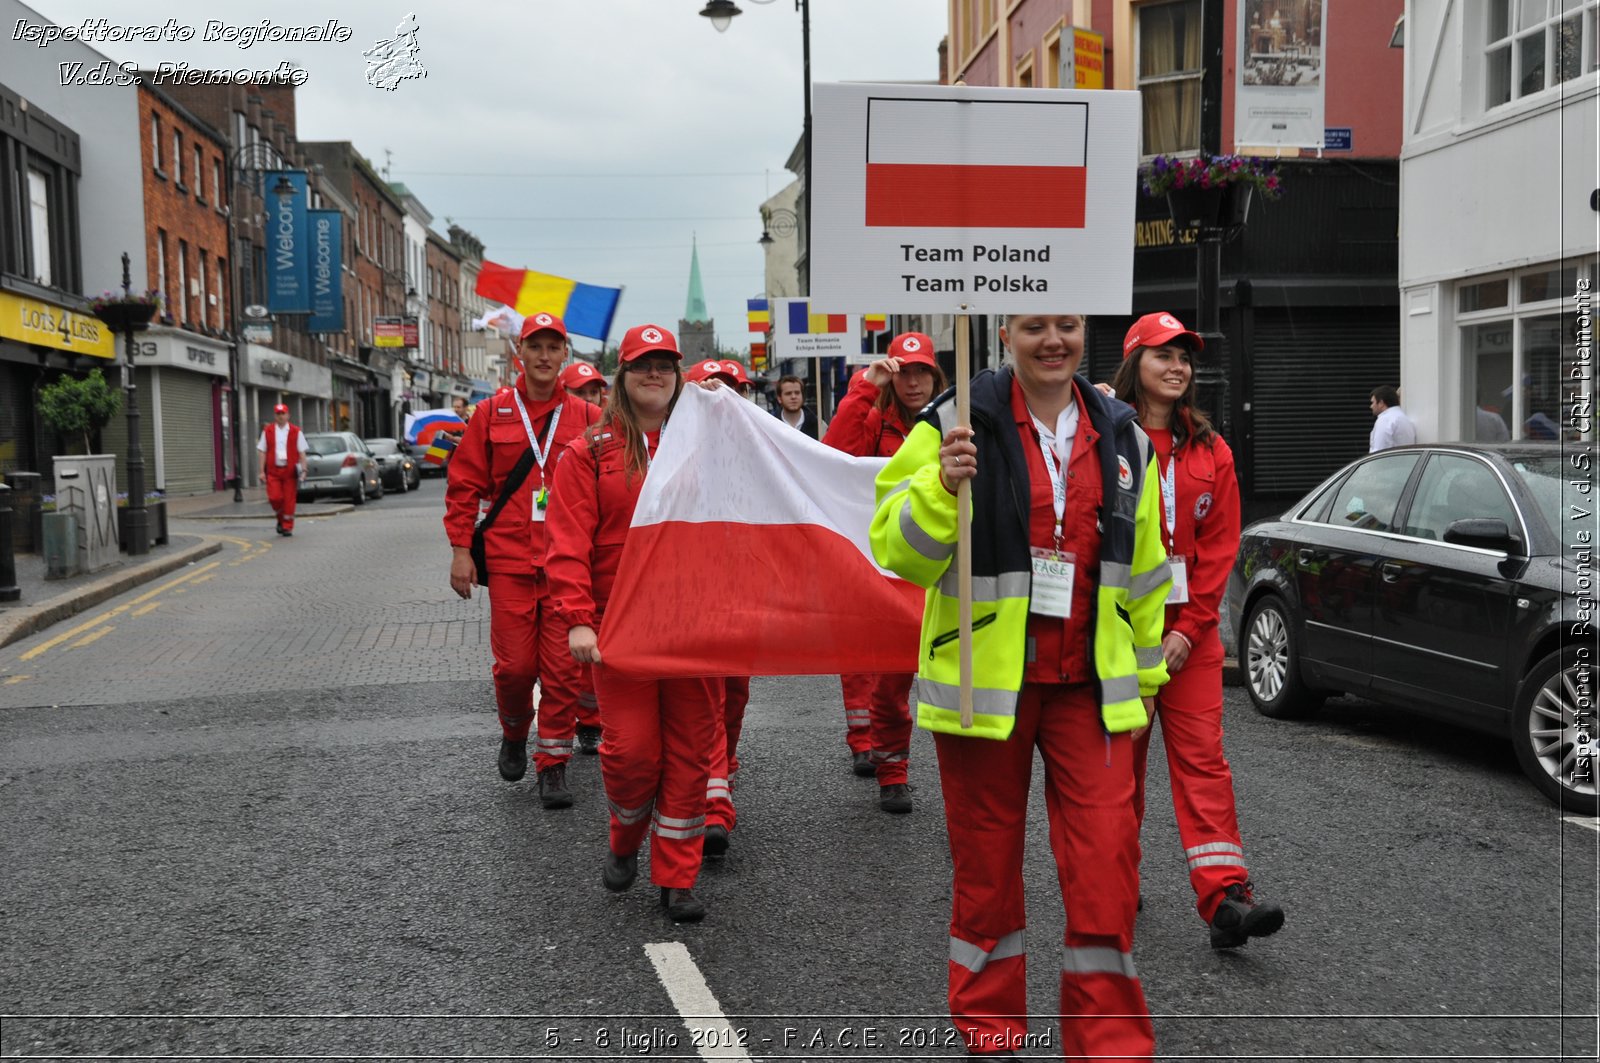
[(648, 339), (541, 321), (579, 374), (705, 371), (913, 348), (1156, 330), (280, 408)]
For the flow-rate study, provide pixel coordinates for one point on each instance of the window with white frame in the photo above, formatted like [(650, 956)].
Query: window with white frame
[(183, 282), (39, 225), (1533, 45), (203, 275), (1519, 339), (216, 183), (177, 156), (155, 141), (1170, 70), (161, 268)]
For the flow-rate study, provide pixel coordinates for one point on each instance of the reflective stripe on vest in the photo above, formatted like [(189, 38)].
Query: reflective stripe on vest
[(1097, 961), (1147, 656), (989, 588), (966, 954), (921, 541), (988, 702), (1119, 688)]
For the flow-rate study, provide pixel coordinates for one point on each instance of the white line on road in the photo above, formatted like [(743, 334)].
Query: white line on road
[(1584, 821), (700, 1011)]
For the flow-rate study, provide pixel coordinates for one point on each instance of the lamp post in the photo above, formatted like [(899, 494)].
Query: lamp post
[(249, 158), (138, 520)]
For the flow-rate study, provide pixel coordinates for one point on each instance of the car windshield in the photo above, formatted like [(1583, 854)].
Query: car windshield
[(1550, 479), (383, 447), (322, 446)]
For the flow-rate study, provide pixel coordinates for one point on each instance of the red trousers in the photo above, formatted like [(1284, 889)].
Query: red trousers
[(1095, 838), (588, 705), (736, 690), (283, 488), (720, 763), (530, 646), (655, 762), (1189, 713), (877, 718)]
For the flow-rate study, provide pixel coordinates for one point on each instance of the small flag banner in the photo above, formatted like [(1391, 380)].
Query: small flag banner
[(587, 309), (758, 355), (803, 322), (423, 425), (758, 315), (438, 450), (875, 322)]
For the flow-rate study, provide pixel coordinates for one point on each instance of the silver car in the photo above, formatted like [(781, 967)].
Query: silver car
[(339, 463)]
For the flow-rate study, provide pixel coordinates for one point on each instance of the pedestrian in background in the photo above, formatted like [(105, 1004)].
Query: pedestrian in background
[(1200, 531), (659, 732), (1068, 581), (462, 410), (583, 381), (792, 409), (1391, 427), (504, 460), (282, 447), (873, 420)]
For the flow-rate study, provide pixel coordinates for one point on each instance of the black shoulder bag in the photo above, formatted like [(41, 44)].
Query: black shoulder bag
[(519, 473)]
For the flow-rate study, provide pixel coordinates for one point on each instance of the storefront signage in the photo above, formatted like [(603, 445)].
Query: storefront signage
[(288, 274), (256, 333), (388, 332), (1338, 138), (411, 333), (277, 368), (1083, 66), (180, 351), (48, 325), (274, 370)]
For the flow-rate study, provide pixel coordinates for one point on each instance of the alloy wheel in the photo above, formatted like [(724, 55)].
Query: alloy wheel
[(1267, 654), (1555, 738)]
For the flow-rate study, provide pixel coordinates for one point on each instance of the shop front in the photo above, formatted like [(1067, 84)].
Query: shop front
[(184, 396), (271, 377), (40, 342)]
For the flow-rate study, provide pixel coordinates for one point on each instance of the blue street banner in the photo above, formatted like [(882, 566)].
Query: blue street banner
[(327, 271), (288, 273)]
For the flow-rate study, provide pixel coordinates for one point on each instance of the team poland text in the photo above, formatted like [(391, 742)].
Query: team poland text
[(978, 253)]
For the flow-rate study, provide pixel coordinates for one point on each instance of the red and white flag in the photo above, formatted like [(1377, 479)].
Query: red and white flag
[(976, 164), (748, 555)]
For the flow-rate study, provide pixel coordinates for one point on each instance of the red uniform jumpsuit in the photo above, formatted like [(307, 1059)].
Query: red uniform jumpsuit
[(1189, 707), (877, 710), (1089, 800), (283, 481), (656, 756), (528, 641)]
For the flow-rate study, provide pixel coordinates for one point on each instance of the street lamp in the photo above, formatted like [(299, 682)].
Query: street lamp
[(778, 220), (721, 12)]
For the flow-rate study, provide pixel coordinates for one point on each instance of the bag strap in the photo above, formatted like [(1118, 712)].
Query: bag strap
[(519, 473)]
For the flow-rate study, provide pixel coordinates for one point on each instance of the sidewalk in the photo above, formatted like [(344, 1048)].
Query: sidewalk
[(219, 505)]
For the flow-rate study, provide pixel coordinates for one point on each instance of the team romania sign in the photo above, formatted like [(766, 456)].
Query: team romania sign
[(48, 325)]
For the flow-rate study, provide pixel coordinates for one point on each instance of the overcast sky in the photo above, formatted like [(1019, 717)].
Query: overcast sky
[(593, 139)]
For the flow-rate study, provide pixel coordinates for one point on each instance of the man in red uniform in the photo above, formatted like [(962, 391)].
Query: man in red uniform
[(583, 381), (528, 641), (283, 465)]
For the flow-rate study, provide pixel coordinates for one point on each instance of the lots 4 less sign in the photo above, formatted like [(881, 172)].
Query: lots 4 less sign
[(958, 200)]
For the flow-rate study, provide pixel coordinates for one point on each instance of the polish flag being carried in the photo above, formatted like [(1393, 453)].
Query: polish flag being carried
[(748, 555)]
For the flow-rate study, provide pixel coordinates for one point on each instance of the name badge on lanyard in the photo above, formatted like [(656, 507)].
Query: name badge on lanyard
[(1053, 570), (541, 454), (1179, 592)]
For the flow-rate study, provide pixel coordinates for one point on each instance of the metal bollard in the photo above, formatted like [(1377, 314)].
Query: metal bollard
[(9, 591)]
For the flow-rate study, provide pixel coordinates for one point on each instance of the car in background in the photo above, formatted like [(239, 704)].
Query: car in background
[(1455, 580), (425, 467), (399, 468), (338, 463)]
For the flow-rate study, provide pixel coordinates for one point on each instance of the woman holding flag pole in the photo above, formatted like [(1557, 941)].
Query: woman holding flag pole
[(659, 732)]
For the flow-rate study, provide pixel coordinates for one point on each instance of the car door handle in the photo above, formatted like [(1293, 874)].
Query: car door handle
[(1390, 571), (1306, 556)]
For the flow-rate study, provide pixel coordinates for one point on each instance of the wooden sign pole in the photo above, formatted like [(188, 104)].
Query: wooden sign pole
[(964, 520)]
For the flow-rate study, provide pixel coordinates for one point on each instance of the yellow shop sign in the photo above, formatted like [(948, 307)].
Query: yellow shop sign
[(48, 325)]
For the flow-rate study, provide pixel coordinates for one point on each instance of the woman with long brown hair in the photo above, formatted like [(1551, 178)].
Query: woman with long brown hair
[(658, 732)]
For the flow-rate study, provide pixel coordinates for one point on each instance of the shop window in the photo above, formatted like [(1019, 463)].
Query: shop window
[(1534, 45), (1485, 296), (1169, 76)]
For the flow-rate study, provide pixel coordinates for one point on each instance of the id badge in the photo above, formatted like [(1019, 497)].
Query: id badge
[(541, 499), (1180, 581), (1053, 573)]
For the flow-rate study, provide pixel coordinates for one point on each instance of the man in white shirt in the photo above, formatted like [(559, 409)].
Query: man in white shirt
[(283, 464), (1392, 427)]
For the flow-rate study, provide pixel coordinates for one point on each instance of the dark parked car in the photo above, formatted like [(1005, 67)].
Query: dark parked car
[(338, 463), (418, 453), (1456, 580), (399, 468)]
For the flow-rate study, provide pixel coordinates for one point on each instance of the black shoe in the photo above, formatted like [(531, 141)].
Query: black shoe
[(716, 840), (1239, 917), (896, 797), (588, 740), (513, 759), (861, 764), (682, 905), (285, 532), (619, 871), (553, 792)]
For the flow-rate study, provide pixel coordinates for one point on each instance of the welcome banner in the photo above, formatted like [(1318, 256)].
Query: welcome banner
[(288, 276)]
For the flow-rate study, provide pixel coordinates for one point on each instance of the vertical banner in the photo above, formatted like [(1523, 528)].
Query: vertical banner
[(288, 276), (327, 271), (1281, 88)]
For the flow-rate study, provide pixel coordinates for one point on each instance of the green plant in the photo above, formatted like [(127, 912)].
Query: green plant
[(101, 302), (1165, 173), (80, 405)]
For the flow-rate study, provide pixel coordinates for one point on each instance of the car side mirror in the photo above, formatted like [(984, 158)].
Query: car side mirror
[(1486, 533)]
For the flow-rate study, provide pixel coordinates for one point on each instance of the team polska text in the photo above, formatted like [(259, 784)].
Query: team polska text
[(978, 253)]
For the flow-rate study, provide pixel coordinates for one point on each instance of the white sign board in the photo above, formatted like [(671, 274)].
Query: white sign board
[(951, 199), (1279, 92), (808, 328)]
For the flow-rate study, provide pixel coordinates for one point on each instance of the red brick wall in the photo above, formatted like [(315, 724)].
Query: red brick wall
[(189, 215)]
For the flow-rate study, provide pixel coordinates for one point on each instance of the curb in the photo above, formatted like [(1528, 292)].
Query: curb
[(20, 623), (300, 514), (1231, 675)]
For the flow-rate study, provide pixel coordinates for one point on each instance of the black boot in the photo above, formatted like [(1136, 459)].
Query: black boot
[(553, 792), (896, 797), (682, 905), (619, 871), (1240, 917), (716, 840), (513, 759), (861, 764), (588, 740)]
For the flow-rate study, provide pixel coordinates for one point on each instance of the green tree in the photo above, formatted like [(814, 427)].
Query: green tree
[(78, 406)]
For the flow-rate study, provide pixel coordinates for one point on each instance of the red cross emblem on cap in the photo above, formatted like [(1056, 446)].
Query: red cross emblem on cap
[(542, 319), (650, 335), (1170, 322), (911, 343)]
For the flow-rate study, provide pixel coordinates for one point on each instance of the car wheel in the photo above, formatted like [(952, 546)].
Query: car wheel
[(405, 485), (377, 488), (1271, 663), (1548, 738), (360, 497)]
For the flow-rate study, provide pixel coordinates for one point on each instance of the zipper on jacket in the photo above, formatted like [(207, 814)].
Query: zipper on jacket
[(955, 633)]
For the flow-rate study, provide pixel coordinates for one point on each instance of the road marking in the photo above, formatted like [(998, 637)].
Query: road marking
[(143, 609), (89, 625), (202, 579), (14, 679), (93, 637), (1584, 821), (694, 1001)]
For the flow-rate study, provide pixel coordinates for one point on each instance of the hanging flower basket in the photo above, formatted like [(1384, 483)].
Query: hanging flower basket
[(126, 311), (1210, 191)]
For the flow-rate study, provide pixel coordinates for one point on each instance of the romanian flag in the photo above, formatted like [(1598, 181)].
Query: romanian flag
[(759, 316), (586, 308), (876, 322), (803, 322), (438, 450)]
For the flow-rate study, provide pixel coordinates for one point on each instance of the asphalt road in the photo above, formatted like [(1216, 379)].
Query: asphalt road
[(251, 810)]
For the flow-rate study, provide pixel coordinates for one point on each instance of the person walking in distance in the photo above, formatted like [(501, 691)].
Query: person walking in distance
[(582, 380), (873, 420), (1200, 530), (659, 732), (505, 460), (792, 408), (1390, 427), (283, 465), (1068, 580)]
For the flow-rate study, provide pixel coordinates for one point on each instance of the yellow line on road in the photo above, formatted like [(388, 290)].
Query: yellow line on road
[(102, 633), (88, 625), (14, 679), (146, 609)]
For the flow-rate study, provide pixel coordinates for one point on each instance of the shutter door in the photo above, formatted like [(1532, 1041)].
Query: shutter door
[(1312, 372), (188, 431)]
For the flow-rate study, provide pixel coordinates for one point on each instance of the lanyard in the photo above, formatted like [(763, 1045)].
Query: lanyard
[(1058, 484), (1169, 500), (540, 454)]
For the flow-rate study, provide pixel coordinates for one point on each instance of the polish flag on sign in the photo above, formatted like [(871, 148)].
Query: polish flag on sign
[(976, 164), (748, 555)]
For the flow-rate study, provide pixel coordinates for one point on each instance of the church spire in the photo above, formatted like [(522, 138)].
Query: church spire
[(695, 309)]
